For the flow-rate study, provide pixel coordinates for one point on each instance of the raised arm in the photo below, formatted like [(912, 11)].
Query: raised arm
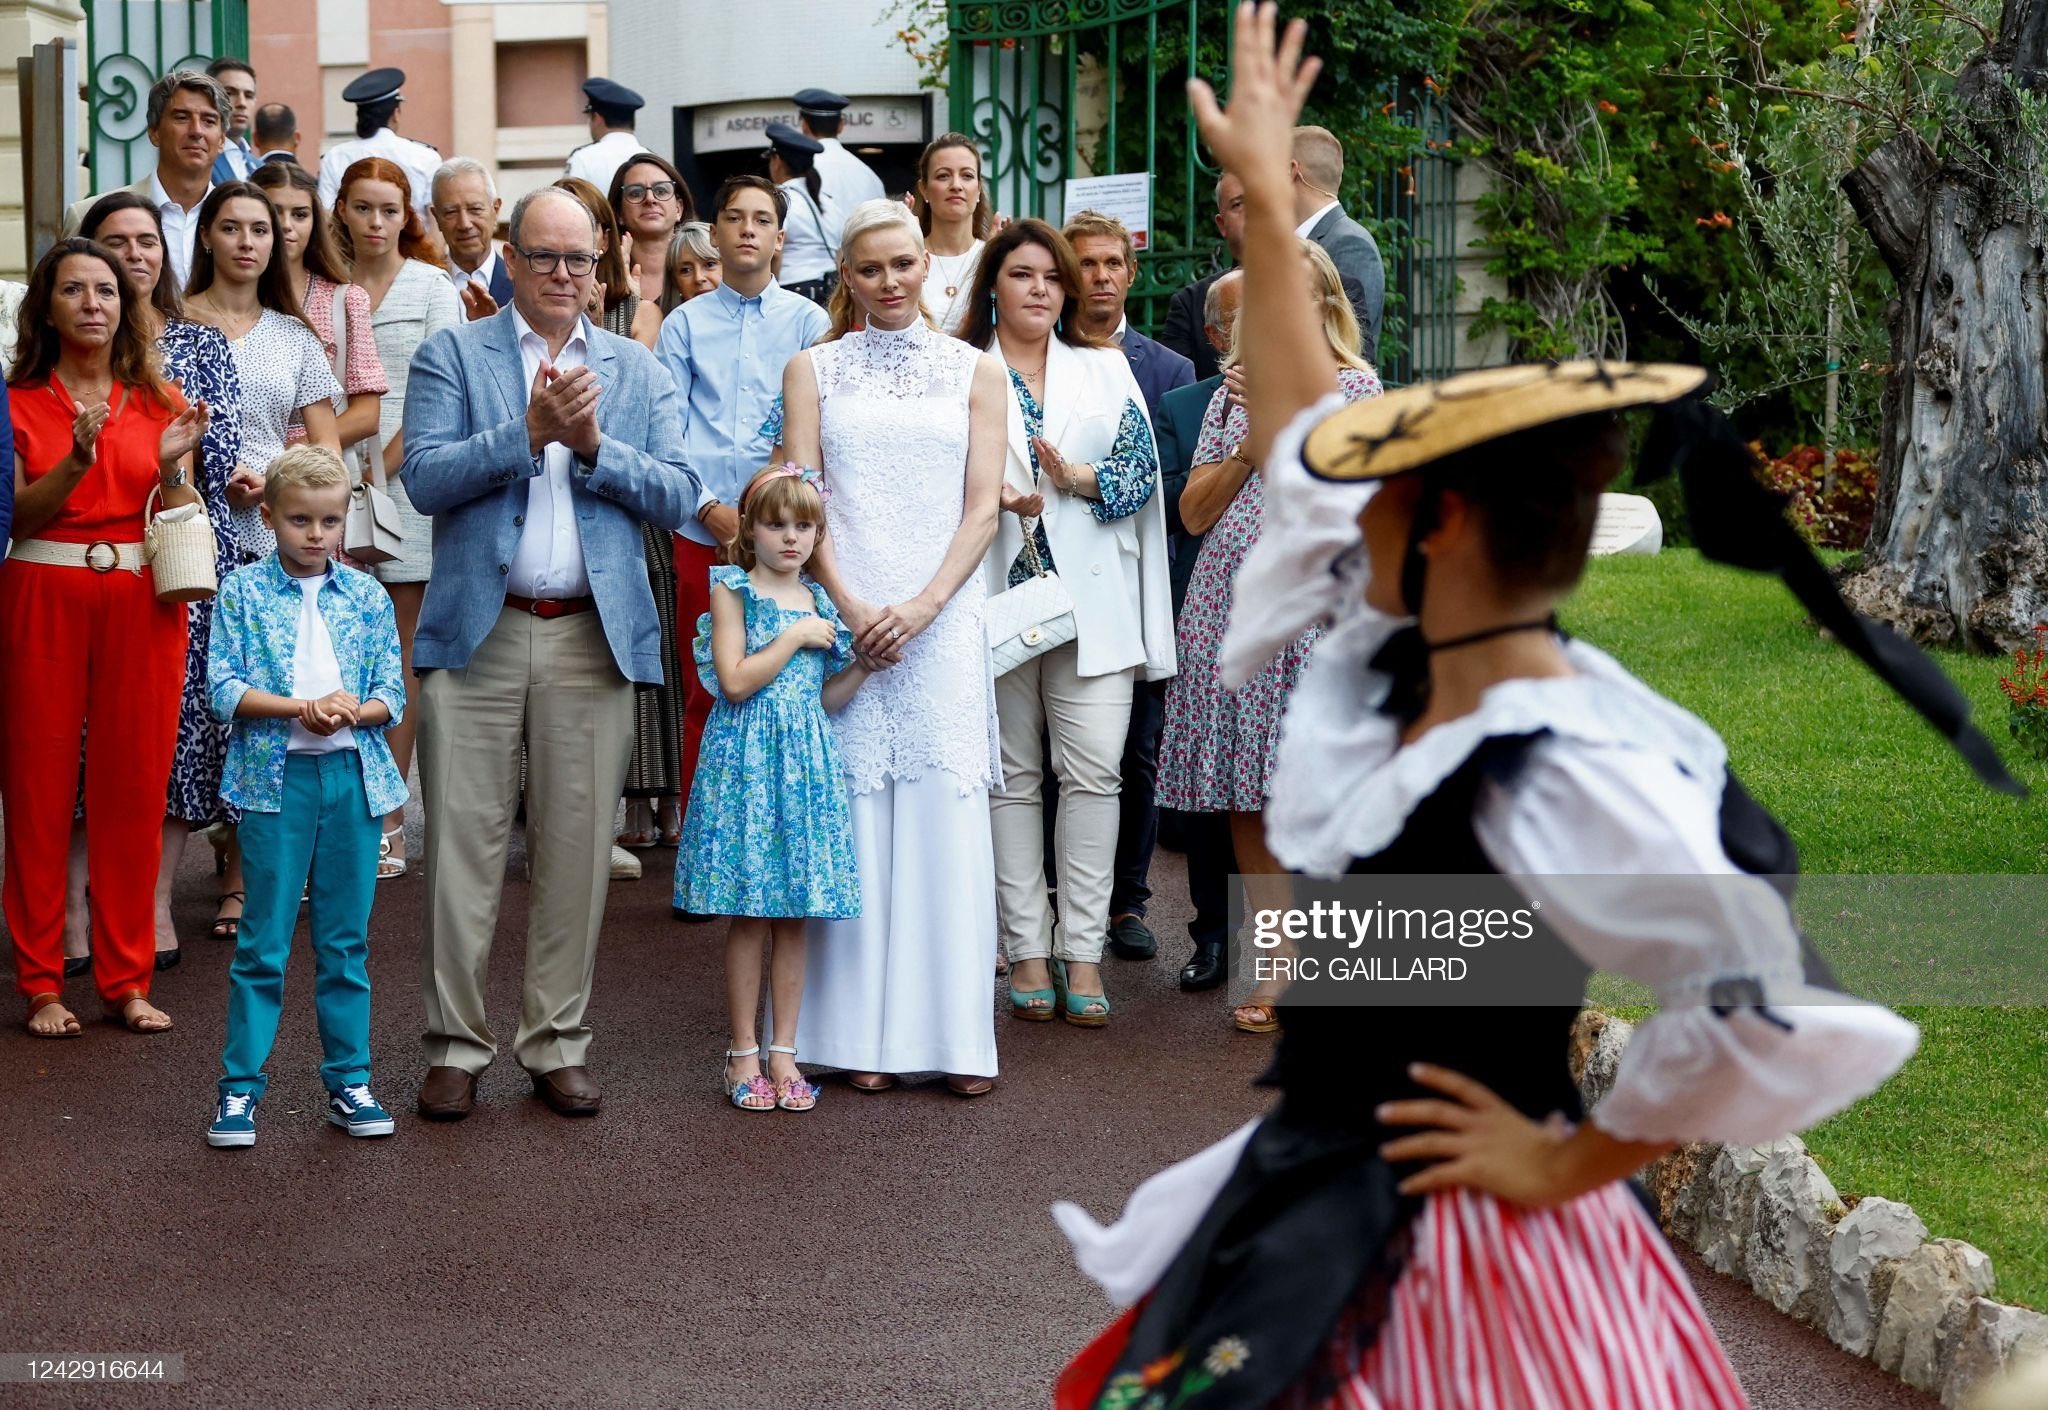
[(896, 624), (1289, 364)]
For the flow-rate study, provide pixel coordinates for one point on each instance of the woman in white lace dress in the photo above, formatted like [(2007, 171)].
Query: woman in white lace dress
[(907, 426)]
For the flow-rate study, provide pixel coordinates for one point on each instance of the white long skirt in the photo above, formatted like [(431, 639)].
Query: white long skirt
[(909, 985)]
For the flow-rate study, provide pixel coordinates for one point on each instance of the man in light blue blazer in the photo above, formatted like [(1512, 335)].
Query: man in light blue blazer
[(539, 444)]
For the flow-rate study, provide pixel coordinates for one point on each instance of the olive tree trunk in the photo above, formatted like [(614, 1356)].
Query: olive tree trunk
[(1958, 549)]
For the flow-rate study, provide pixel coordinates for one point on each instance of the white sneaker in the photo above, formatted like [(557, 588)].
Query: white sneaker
[(625, 866)]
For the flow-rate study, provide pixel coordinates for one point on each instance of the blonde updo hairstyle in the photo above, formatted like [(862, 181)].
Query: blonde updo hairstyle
[(1340, 323), (868, 218)]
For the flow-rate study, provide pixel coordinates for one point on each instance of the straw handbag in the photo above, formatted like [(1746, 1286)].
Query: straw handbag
[(372, 532), (177, 543), (1032, 617)]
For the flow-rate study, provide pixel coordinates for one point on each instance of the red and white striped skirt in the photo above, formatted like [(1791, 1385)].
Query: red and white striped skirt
[(1503, 1307)]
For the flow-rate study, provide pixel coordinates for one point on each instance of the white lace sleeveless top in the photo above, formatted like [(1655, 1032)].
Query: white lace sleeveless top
[(893, 423)]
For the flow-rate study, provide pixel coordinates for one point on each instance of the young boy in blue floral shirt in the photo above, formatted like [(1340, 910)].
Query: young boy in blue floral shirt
[(304, 663)]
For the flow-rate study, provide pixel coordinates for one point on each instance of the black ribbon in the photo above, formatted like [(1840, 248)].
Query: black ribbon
[(1740, 521)]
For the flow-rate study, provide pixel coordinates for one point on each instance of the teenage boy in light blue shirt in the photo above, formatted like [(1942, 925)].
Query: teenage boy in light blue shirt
[(304, 663)]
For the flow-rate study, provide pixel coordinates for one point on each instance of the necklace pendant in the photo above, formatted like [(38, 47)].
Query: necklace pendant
[(952, 291)]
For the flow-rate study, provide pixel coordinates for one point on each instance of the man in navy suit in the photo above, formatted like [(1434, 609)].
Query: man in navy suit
[(1108, 267), (465, 205), (1177, 426), (1183, 330)]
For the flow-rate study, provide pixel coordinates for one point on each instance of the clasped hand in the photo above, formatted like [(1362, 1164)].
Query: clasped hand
[(812, 632), (335, 710), (562, 406)]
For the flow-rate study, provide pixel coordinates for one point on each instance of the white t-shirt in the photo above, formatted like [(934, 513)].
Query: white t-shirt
[(315, 671)]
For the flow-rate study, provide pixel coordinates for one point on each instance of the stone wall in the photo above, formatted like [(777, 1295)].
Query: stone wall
[(1868, 1277)]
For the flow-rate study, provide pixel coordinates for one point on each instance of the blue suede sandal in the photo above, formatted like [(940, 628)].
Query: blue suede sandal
[(1081, 1010)]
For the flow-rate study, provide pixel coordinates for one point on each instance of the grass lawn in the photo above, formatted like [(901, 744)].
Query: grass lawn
[(1864, 787)]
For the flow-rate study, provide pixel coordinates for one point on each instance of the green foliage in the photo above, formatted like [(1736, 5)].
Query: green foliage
[(1864, 787), (1794, 111), (1549, 95)]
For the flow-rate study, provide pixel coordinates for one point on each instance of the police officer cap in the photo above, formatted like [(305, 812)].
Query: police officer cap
[(375, 86), (604, 93), (782, 135), (821, 102)]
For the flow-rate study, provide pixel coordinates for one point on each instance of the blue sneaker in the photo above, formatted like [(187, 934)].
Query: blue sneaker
[(234, 1121), (355, 1111)]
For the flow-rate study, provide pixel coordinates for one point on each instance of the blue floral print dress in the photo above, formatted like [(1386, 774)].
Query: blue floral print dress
[(768, 832)]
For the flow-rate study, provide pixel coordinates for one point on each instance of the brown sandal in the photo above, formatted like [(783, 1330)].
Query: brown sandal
[(36, 1004), (1254, 1018), (961, 1086), (876, 1081), (118, 1012)]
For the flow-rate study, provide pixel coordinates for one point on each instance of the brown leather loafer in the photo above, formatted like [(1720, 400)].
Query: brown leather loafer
[(447, 1094), (568, 1091)]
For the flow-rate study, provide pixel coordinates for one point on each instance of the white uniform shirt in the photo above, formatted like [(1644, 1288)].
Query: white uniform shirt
[(846, 178), (315, 671), (810, 233), (416, 159), (549, 559), (597, 162)]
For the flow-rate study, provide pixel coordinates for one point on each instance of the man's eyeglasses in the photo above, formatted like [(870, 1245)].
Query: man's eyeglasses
[(577, 262), (640, 191)]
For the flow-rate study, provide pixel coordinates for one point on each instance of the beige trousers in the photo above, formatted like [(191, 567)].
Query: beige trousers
[(1086, 719), (554, 684)]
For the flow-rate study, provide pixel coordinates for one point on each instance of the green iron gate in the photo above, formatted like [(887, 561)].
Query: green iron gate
[(129, 45), (1053, 89)]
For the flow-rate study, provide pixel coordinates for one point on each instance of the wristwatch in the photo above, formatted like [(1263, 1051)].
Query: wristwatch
[(176, 480)]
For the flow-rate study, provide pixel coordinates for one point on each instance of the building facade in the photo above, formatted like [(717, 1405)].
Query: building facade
[(715, 75), (501, 82)]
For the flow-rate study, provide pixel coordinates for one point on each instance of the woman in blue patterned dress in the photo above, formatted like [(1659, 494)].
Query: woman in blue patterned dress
[(198, 359), (768, 839)]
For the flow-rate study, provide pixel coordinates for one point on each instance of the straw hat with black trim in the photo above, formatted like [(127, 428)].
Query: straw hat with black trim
[(1735, 518), (1407, 429)]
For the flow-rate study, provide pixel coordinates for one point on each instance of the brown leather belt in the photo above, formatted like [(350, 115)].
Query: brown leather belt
[(549, 607)]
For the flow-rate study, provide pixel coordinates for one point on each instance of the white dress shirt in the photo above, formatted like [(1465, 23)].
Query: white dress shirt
[(316, 671), (482, 274), (549, 559), (181, 227), (1310, 224), (239, 156)]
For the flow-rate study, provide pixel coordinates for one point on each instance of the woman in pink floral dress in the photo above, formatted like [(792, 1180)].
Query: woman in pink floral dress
[(1216, 751)]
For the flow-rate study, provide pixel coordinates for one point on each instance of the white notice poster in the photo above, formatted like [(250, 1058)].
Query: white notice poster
[(1128, 198)]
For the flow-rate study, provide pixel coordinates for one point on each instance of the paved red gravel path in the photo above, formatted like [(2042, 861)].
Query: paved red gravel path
[(883, 1251)]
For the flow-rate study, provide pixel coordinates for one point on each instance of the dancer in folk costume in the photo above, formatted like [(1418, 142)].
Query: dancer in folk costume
[(1428, 1219)]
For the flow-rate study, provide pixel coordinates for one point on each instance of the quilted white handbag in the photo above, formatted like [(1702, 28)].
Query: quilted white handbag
[(1032, 617)]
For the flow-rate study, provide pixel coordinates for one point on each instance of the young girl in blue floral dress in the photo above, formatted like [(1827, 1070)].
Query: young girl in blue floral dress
[(768, 839)]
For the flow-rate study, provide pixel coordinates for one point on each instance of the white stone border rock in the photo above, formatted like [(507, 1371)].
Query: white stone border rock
[(1868, 1277)]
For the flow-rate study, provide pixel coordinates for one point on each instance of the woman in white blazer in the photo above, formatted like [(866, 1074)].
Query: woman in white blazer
[(1082, 480)]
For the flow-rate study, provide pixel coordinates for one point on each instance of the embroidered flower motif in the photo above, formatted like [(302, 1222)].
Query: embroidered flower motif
[(1122, 1393), (1159, 1370), (1227, 1355)]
